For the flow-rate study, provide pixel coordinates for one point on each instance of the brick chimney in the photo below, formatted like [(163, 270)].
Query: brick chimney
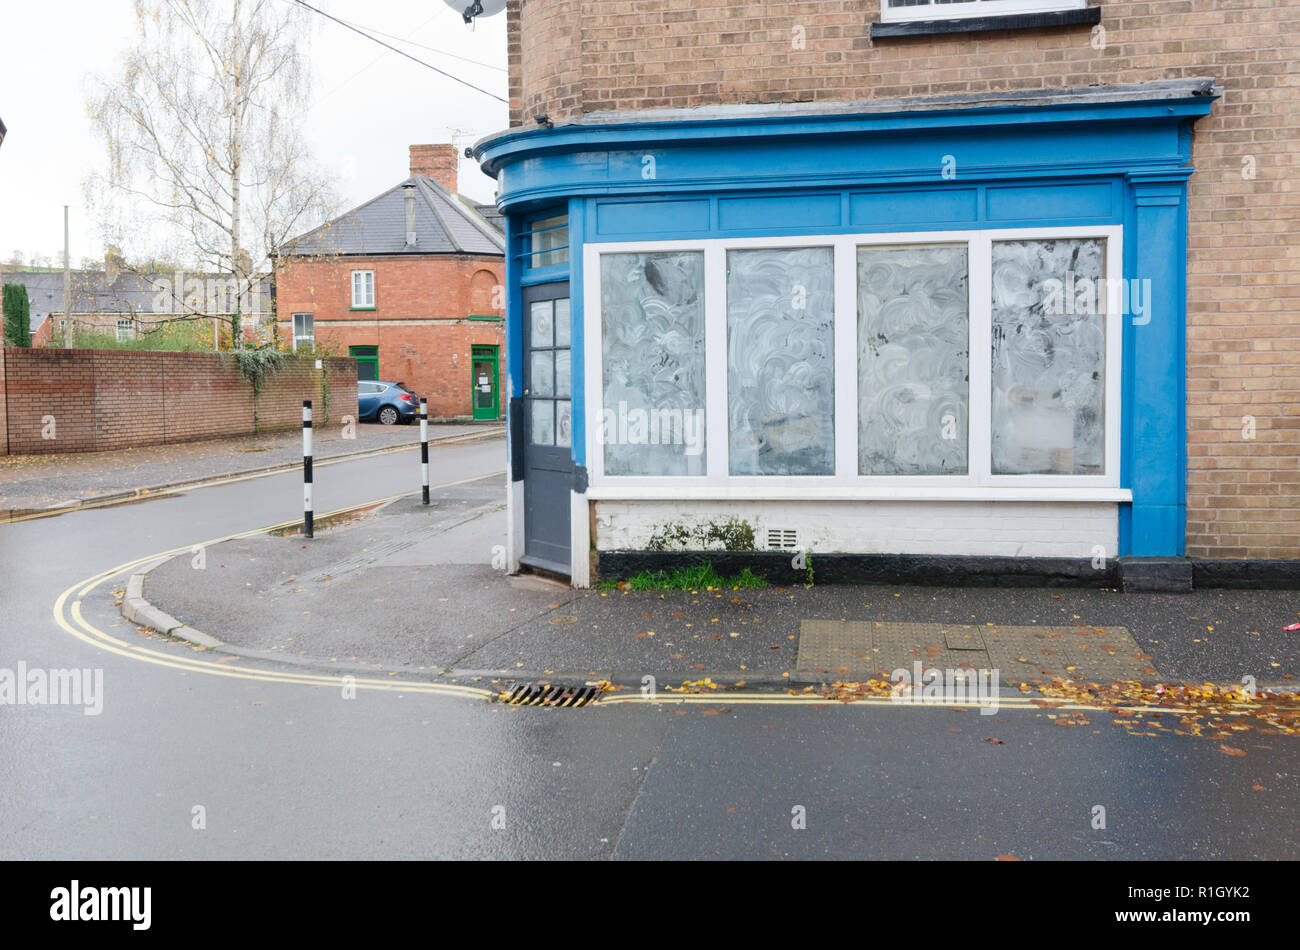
[(439, 162)]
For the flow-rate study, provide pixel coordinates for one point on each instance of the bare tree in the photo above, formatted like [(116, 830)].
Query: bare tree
[(203, 134)]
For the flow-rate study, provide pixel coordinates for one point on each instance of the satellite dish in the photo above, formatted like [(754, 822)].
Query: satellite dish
[(469, 9)]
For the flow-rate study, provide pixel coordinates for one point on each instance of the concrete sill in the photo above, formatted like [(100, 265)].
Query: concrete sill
[(666, 490)]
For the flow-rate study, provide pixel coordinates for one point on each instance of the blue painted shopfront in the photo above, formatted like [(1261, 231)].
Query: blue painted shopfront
[(1119, 161)]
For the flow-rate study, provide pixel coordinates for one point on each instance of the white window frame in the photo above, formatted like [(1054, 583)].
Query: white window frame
[(978, 484), (366, 299), (976, 8), (549, 225), (293, 331), (125, 329)]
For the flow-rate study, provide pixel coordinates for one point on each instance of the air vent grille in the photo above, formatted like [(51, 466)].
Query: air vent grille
[(782, 539)]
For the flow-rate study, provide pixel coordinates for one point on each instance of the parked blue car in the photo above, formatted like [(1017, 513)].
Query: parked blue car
[(387, 403)]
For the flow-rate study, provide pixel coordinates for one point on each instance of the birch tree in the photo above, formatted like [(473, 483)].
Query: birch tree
[(203, 135)]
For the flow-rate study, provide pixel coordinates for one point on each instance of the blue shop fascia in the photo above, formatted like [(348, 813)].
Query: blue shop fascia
[(884, 332)]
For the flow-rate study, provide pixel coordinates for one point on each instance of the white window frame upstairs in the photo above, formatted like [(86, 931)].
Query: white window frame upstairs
[(125, 329), (307, 337), (978, 484), (365, 300), (968, 9)]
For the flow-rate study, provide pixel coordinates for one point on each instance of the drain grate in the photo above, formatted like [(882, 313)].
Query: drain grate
[(539, 694)]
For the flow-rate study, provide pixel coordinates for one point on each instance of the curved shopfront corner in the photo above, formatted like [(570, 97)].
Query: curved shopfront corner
[(891, 330)]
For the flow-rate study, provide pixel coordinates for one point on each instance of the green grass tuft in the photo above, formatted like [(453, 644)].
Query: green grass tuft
[(696, 577)]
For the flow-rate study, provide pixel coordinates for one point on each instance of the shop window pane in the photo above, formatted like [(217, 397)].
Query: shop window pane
[(652, 342), (1049, 347), (542, 422), (913, 360), (542, 380), (562, 322), (563, 373), (542, 321), (564, 423), (550, 241), (780, 361)]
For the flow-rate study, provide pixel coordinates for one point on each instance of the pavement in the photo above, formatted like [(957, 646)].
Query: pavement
[(401, 587), (31, 483)]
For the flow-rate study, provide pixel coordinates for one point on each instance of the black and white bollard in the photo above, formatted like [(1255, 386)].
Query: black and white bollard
[(306, 468), (424, 447)]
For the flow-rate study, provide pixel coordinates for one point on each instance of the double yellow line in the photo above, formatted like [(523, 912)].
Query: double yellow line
[(68, 615)]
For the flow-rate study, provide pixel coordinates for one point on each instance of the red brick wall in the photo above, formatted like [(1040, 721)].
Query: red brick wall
[(113, 399), (419, 322), (4, 418), (50, 391)]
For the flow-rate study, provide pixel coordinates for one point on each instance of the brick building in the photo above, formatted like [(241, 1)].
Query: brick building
[(409, 284), (128, 305), (962, 280)]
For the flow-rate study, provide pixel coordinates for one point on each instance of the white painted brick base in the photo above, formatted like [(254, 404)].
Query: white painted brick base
[(1008, 529)]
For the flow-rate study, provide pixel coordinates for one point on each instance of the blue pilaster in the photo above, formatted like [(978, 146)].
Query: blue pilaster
[(1155, 454)]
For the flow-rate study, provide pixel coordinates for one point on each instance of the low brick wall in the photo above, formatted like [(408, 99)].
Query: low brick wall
[(54, 400)]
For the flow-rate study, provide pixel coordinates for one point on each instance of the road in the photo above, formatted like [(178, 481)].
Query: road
[(195, 759)]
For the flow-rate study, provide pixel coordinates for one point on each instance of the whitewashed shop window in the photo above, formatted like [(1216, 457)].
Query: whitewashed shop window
[(913, 360), (652, 354), (893, 11), (781, 361), (930, 365), (363, 289), (1049, 357)]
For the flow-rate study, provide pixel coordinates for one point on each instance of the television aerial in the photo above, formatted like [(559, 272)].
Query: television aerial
[(469, 9)]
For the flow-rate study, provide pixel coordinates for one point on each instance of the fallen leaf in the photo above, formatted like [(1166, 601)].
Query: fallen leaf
[(1229, 750)]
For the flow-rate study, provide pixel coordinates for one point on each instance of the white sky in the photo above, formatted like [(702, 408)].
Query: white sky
[(369, 104)]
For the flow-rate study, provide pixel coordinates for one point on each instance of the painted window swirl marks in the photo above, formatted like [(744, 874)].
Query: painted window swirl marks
[(1049, 351), (913, 360), (652, 314), (780, 361)]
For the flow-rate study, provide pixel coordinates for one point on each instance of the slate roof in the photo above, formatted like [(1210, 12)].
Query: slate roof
[(92, 292), (444, 224)]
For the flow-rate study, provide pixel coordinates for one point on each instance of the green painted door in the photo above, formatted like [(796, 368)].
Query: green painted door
[(486, 400), (367, 358)]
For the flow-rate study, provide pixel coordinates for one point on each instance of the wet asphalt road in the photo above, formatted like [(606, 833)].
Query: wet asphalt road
[(288, 771)]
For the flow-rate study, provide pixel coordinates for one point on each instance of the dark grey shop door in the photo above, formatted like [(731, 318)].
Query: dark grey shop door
[(548, 426)]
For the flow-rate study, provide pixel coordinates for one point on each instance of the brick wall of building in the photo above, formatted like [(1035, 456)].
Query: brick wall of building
[(420, 322), (95, 400), (1243, 310), (4, 418)]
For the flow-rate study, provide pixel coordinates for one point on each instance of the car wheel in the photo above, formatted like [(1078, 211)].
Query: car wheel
[(388, 415)]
